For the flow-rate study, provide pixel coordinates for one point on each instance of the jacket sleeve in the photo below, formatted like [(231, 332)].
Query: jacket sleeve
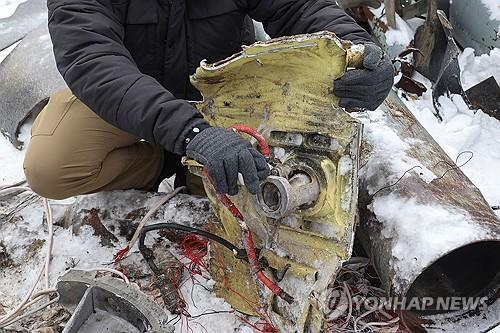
[(88, 46), (291, 17)]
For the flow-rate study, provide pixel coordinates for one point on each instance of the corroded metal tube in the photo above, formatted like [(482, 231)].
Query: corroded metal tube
[(428, 229)]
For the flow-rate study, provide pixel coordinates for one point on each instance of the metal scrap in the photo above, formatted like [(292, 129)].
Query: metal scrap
[(109, 304), (406, 68), (486, 96), (438, 59), (28, 16), (28, 76)]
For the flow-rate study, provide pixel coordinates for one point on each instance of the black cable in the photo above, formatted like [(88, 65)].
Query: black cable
[(452, 167), (455, 167), (397, 181), (148, 255), (206, 313), (238, 253), (174, 318)]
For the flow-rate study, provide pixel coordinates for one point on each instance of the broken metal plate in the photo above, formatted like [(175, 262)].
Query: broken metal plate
[(108, 304), (448, 79), (28, 76), (28, 16), (438, 59), (486, 96), (283, 88)]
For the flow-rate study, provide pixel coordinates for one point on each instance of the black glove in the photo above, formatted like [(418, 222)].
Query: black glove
[(366, 88), (225, 154)]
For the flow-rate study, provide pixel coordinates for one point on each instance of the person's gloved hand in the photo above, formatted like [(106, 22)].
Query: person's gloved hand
[(368, 87), (225, 154)]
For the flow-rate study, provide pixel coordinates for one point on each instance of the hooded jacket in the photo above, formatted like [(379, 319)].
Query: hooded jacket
[(130, 60)]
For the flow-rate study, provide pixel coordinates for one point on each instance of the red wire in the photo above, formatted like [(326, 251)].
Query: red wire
[(264, 147), (246, 234), (265, 318), (252, 256), (266, 327), (120, 254), (194, 248)]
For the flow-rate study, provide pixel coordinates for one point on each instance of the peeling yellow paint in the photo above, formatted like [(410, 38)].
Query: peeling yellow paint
[(285, 86)]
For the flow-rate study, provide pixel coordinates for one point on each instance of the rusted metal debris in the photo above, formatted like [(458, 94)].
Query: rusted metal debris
[(486, 96), (465, 267), (406, 67), (390, 12), (438, 60), (411, 86), (167, 271), (5, 259), (93, 220)]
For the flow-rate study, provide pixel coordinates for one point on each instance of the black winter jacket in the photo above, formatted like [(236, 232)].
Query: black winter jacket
[(130, 60)]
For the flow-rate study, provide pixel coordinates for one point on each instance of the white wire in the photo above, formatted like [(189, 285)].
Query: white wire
[(29, 313), (31, 298), (150, 213), (106, 269), (380, 323), (50, 225), (349, 298), (14, 188), (361, 317), (6, 317), (43, 292)]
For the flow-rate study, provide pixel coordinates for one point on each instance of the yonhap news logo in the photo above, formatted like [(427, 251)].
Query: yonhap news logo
[(341, 302)]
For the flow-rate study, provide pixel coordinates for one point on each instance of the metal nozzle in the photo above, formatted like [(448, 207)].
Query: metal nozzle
[(279, 196)]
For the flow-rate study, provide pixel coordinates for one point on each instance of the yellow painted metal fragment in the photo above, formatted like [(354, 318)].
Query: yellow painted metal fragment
[(283, 88)]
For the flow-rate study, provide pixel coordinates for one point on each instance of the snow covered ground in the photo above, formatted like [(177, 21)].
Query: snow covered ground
[(7, 7), (461, 130)]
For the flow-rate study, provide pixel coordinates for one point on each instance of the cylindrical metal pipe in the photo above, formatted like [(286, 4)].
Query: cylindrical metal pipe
[(278, 196), (427, 228)]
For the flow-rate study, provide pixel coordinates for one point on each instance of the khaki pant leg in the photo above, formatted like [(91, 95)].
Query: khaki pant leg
[(73, 151)]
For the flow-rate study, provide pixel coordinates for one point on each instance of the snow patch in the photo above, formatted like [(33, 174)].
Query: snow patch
[(345, 165), (12, 159), (477, 69), (494, 8), (463, 129), (385, 142), (402, 34), (423, 230), (8, 7), (5, 52)]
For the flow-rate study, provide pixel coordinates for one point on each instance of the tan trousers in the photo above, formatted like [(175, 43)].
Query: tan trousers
[(73, 151)]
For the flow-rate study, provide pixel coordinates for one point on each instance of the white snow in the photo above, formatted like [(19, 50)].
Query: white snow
[(11, 159), (494, 8), (462, 129), (8, 7), (402, 35), (426, 228), (477, 69), (386, 143)]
